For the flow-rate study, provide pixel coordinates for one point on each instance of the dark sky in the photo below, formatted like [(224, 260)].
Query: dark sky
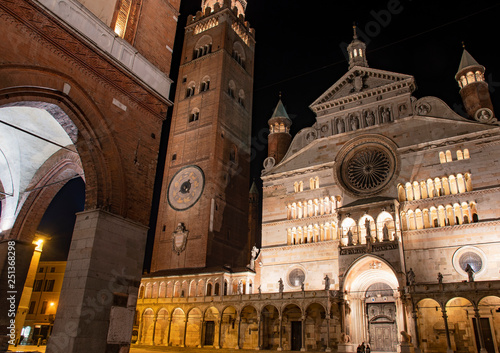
[(299, 52)]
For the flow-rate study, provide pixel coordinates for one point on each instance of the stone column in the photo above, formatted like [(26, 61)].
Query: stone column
[(328, 349), (104, 263), (141, 325), (259, 325), (447, 330), (415, 325), (238, 319), (218, 345), (183, 344), (280, 347), (479, 330), (154, 332), (168, 332), (202, 326), (303, 334), (14, 255)]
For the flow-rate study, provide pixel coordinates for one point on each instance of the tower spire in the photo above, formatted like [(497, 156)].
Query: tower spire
[(474, 89), (279, 132), (357, 51)]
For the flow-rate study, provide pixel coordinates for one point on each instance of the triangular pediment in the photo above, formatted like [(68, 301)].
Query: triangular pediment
[(360, 82)]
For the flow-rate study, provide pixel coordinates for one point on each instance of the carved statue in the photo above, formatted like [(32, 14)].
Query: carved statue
[(302, 288), (240, 287), (252, 259), (385, 233), (386, 115), (440, 277), (410, 277), (354, 124), (370, 118), (340, 126), (470, 272), (405, 337), (349, 238), (280, 284), (368, 230), (327, 282), (260, 290), (345, 338)]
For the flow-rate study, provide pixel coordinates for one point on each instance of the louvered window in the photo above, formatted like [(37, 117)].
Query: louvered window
[(122, 18)]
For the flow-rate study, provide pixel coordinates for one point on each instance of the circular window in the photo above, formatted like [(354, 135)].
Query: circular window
[(296, 277), (469, 255), (366, 165), (368, 169), (472, 259)]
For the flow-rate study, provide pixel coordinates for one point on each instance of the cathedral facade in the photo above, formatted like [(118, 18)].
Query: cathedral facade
[(378, 222)]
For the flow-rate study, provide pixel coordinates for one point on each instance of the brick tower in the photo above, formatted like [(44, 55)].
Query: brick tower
[(279, 138), (474, 89), (203, 213)]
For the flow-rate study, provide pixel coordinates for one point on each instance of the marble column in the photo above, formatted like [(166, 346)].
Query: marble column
[(447, 330), (280, 347), (479, 330)]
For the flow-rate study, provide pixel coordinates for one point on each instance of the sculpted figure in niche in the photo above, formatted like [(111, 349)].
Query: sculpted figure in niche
[(440, 277), (349, 238), (340, 126), (385, 233), (354, 124), (368, 230), (370, 118), (386, 115)]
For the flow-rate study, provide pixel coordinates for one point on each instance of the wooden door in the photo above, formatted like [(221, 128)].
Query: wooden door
[(296, 343), (209, 333)]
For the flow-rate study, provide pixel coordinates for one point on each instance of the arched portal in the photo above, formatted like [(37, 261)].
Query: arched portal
[(177, 328), (292, 327), (211, 329), (249, 328), (229, 328), (315, 330), (193, 328), (374, 312), (147, 326), (270, 327), (161, 332)]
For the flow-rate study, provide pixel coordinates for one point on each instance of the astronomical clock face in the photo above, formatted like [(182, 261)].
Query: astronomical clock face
[(186, 187)]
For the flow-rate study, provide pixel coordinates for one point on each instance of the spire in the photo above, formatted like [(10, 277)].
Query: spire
[(253, 188), (357, 51), (280, 111), (467, 60)]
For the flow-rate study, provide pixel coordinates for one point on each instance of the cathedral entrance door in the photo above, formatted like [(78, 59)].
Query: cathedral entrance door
[(209, 333), (382, 327), (296, 335)]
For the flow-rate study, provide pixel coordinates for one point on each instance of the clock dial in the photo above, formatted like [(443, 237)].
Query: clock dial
[(186, 187)]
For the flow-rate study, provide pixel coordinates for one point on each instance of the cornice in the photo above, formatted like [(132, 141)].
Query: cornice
[(452, 197), (296, 172), (65, 42), (450, 141), (450, 228), (298, 246)]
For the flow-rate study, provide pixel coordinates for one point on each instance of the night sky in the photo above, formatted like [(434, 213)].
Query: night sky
[(300, 52)]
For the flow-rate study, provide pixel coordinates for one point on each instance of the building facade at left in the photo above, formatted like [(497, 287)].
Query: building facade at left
[(84, 90)]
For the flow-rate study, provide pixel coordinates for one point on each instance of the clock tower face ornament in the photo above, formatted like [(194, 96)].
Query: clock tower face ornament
[(186, 187)]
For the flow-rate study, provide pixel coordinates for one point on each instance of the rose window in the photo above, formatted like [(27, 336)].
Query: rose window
[(368, 169)]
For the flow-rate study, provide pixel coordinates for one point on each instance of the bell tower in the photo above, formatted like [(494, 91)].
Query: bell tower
[(203, 213), (474, 90), (279, 138)]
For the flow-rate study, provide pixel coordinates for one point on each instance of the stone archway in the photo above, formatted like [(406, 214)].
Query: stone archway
[(249, 328), (229, 328), (118, 150), (371, 286), (270, 327)]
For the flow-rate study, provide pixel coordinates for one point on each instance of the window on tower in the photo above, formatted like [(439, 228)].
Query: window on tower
[(202, 47), (239, 54), (194, 116), (241, 98), (205, 84), (231, 88), (190, 90), (124, 21)]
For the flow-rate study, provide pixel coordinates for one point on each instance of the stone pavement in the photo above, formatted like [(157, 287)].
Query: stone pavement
[(148, 349)]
